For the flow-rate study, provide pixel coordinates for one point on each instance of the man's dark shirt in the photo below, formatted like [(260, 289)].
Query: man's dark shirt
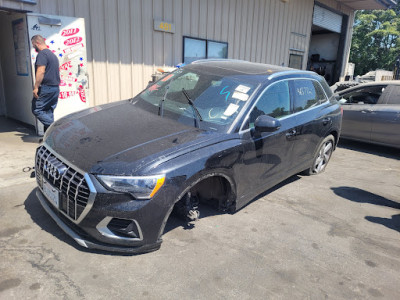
[(50, 61)]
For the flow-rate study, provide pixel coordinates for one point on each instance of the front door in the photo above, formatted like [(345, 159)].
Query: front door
[(386, 117), (266, 155), (65, 37), (358, 107)]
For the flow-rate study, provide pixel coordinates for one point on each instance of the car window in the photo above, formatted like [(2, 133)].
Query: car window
[(187, 81), (217, 99), (365, 95), (392, 94), (306, 94), (326, 88), (274, 101)]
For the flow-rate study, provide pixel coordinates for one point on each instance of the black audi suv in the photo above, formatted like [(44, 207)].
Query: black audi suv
[(215, 131)]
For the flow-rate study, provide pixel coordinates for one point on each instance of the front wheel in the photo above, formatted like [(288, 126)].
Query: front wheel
[(322, 156)]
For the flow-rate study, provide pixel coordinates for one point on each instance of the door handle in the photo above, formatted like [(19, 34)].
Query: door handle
[(291, 133), (326, 121), (366, 111)]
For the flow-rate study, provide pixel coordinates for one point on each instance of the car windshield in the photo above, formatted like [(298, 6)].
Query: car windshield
[(190, 95)]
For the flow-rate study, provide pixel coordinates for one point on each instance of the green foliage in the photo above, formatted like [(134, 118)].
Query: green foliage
[(376, 39)]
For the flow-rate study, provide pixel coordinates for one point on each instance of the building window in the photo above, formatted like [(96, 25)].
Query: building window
[(296, 61), (194, 49)]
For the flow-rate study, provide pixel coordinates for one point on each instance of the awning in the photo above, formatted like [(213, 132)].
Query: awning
[(368, 4)]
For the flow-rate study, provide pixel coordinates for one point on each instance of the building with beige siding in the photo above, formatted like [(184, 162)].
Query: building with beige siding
[(109, 49)]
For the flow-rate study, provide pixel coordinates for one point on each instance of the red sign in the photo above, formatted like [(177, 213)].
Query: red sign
[(82, 95), (73, 41), (67, 94), (70, 31), (66, 66), (68, 78)]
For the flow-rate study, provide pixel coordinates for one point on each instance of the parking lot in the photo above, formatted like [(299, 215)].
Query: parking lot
[(335, 235)]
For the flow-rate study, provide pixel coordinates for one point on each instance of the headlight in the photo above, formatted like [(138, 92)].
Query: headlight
[(143, 187)]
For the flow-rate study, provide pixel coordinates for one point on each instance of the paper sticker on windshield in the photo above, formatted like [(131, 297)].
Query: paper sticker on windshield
[(242, 88), (231, 109), (240, 96)]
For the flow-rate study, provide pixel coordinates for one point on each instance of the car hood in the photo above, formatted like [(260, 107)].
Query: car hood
[(122, 139)]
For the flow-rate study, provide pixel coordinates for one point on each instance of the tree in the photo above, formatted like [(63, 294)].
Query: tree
[(376, 39)]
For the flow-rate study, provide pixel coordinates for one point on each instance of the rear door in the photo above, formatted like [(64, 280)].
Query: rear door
[(311, 119), (358, 106), (65, 37), (386, 117)]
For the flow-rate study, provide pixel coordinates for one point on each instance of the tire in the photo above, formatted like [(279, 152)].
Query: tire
[(322, 156)]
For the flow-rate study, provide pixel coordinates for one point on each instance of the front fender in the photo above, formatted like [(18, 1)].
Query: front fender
[(188, 170)]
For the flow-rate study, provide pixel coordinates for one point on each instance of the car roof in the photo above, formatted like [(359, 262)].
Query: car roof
[(240, 67), (375, 83)]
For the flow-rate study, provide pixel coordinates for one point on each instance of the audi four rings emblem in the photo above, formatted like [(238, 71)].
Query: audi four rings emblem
[(54, 171)]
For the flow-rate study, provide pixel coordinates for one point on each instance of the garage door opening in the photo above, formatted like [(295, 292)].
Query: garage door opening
[(327, 44), (65, 37), (15, 69)]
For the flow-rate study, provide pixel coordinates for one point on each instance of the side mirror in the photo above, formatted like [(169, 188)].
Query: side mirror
[(342, 101), (266, 123)]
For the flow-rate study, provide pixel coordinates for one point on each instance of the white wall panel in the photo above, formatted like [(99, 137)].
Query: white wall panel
[(158, 41), (231, 28), (124, 49), (177, 37), (218, 20), (137, 45), (99, 90), (202, 19), (194, 17), (168, 37), (249, 29), (112, 50), (210, 19), (242, 32), (48, 7), (66, 8), (224, 20)]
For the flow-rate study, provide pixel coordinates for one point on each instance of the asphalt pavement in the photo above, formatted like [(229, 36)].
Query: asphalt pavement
[(331, 236)]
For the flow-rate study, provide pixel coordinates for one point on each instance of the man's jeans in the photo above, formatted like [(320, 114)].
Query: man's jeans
[(43, 107)]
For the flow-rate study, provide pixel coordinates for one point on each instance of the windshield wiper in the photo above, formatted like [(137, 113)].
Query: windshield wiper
[(195, 110), (161, 104)]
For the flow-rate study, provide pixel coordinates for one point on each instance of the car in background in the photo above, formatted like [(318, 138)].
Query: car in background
[(217, 131), (371, 113)]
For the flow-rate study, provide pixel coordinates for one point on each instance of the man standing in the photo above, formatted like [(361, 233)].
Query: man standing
[(46, 89)]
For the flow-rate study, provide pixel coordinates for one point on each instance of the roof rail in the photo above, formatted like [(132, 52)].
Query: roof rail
[(291, 72), (199, 61)]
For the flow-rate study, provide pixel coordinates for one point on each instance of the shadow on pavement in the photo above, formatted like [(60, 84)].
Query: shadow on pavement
[(393, 223), (41, 218), (25, 132), (378, 150), (274, 188), (362, 196)]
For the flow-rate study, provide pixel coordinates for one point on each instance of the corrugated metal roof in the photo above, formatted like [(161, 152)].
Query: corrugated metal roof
[(368, 4)]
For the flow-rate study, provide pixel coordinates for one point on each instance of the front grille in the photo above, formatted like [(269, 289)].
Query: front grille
[(74, 190)]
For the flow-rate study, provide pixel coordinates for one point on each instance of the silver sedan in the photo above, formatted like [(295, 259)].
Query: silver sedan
[(371, 113)]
